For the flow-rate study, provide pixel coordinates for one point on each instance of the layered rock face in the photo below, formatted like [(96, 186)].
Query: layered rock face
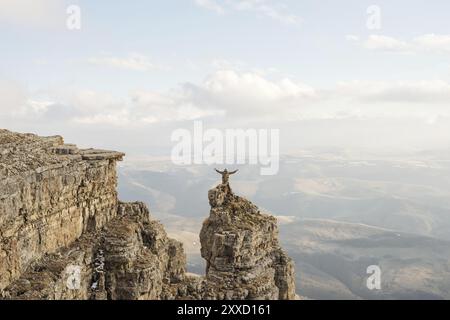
[(50, 194), (130, 259), (241, 249), (65, 235), (61, 222)]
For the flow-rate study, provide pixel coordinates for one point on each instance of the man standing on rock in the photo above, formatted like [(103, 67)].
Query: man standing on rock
[(226, 175)]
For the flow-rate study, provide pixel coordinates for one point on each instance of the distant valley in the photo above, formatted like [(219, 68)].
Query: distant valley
[(337, 214)]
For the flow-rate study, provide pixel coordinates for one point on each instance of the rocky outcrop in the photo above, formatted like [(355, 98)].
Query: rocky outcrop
[(65, 235), (241, 249)]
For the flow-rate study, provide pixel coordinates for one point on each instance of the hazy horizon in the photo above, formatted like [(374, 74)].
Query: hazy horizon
[(343, 75)]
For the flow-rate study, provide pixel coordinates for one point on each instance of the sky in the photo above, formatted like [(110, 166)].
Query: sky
[(328, 74)]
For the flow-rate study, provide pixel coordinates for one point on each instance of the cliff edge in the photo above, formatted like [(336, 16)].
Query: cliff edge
[(65, 235)]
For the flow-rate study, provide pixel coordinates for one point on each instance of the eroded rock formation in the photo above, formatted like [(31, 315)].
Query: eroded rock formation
[(65, 235), (241, 249)]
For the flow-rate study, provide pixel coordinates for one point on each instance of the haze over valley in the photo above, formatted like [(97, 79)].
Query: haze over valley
[(339, 213)]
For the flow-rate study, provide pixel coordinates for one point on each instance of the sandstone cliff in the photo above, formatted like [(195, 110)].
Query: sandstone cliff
[(65, 235)]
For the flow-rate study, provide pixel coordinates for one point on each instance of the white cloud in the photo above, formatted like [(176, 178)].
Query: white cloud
[(385, 43), (229, 84), (230, 95), (434, 42), (424, 43), (34, 13), (224, 93), (153, 107), (134, 62), (266, 8), (352, 37), (249, 95)]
